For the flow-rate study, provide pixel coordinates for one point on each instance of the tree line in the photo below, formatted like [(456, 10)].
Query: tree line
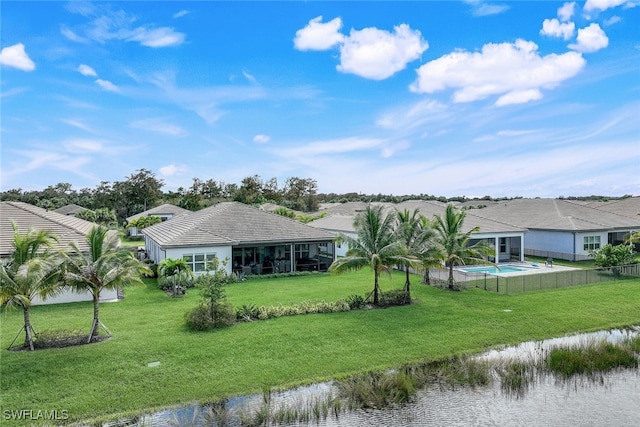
[(142, 190)]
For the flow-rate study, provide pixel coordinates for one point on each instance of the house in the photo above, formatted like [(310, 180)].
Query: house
[(68, 229), (337, 225), (506, 238), (165, 212), (563, 229), (251, 240), (71, 209)]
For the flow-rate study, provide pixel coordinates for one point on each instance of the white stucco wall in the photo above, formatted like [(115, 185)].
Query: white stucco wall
[(342, 250), (604, 237), (222, 253), (71, 296)]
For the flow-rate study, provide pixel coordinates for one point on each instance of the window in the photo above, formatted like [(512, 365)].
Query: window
[(591, 243), (302, 251), (503, 245), (199, 262)]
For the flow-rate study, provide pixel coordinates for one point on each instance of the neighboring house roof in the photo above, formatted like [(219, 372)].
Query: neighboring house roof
[(557, 215), (232, 223), (71, 209), (429, 208), (164, 209), (629, 206), (351, 208), (475, 204), (472, 219), (67, 228), (335, 223)]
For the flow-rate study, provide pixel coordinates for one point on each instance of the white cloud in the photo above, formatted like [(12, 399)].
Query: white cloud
[(109, 24), (107, 85), (86, 70), (378, 54), (78, 124), (261, 139), (69, 34), (553, 28), (249, 77), (181, 13), (566, 11), (602, 4), (414, 115), (514, 71), (172, 170), (590, 39), (328, 147), (481, 8), (159, 125), (16, 57), (318, 35), (612, 21), (158, 37), (370, 53), (83, 146)]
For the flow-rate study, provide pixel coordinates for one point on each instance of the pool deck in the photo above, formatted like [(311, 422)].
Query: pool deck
[(531, 268)]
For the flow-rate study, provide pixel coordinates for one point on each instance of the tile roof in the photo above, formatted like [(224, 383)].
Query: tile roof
[(232, 223), (166, 208), (557, 214), (429, 208), (70, 209), (67, 228), (629, 206)]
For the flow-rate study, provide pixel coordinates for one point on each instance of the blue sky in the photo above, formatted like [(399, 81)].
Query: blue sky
[(451, 98)]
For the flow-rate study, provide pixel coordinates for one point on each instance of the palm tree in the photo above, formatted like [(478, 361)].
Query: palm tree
[(376, 245), (428, 251), (413, 233), (105, 265), (31, 271), (174, 271), (453, 243)]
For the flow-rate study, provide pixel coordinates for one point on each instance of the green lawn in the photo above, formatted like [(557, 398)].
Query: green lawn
[(109, 378)]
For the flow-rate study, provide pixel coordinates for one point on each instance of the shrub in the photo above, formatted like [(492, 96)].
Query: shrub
[(394, 297), (59, 338), (199, 318), (247, 313), (177, 284), (356, 301), (223, 315), (153, 267)]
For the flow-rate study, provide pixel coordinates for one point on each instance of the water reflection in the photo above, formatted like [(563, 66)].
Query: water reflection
[(610, 400)]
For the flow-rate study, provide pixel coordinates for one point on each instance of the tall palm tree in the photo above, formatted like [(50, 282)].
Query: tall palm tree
[(376, 245), (453, 243), (33, 270), (413, 234), (428, 251), (105, 265)]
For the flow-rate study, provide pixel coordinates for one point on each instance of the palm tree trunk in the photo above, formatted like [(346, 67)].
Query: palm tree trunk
[(451, 276), (376, 297), (28, 337), (407, 286), (426, 279), (95, 327)]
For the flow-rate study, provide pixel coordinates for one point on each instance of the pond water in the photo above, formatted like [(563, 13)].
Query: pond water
[(610, 400)]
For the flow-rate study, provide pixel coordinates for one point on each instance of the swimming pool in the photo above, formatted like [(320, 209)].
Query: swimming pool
[(493, 270)]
